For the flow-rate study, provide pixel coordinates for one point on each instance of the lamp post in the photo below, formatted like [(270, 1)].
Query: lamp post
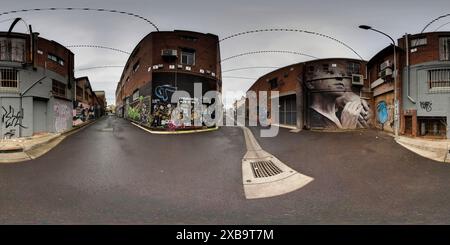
[(396, 106)]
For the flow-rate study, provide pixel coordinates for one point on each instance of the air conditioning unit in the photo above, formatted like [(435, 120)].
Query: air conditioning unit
[(171, 67), (160, 65), (385, 65), (208, 72), (188, 68), (385, 73), (155, 67), (202, 71), (213, 74), (169, 53), (180, 66), (357, 79)]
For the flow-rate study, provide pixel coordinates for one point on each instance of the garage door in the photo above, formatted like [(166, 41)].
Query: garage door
[(288, 110)]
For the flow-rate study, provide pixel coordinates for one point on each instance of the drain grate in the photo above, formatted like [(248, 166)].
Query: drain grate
[(263, 169)]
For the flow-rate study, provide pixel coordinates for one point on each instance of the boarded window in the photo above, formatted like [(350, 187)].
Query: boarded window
[(12, 49), (59, 88), (444, 48)]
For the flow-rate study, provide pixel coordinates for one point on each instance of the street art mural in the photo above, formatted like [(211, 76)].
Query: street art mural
[(164, 92), (140, 111), (384, 115), (11, 121), (62, 116), (333, 105)]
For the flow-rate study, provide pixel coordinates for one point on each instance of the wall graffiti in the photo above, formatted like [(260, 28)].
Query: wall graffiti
[(426, 105), (8, 135), (11, 118), (382, 113), (140, 111), (164, 92), (332, 105), (62, 116)]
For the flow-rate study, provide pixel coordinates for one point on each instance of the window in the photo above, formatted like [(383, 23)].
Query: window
[(444, 48), (59, 88), (56, 59), (8, 78), (136, 66), (439, 78), (273, 83), (136, 95), (187, 57), (353, 68), (79, 91), (12, 49), (418, 42)]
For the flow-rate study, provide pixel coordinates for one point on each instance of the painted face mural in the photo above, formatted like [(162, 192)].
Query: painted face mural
[(333, 105)]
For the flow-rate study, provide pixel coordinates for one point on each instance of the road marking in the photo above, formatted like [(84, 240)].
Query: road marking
[(278, 180)]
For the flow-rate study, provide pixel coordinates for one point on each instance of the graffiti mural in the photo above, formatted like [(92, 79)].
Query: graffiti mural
[(164, 92), (331, 103), (10, 118), (140, 111), (62, 116)]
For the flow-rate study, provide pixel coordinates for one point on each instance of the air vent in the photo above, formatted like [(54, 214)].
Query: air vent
[(263, 169)]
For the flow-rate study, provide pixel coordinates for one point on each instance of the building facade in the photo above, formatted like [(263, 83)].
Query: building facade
[(87, 104), (426, 84), (317, 94), (36, 85), (162, 63)]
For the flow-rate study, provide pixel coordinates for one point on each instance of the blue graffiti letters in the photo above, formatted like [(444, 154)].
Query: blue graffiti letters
[(162, 92)]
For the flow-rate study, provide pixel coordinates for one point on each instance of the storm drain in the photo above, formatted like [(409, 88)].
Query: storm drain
[(263, 169)]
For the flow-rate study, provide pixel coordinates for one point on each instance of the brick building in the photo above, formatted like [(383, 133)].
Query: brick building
[(87, 104), (36, 85), (313, 94), (162, 63), (425, 88)]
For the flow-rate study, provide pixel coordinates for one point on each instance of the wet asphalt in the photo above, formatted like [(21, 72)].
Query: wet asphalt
[(112, 172)]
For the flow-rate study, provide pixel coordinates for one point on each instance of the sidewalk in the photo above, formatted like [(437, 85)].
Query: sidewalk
[(27, 148), (437, 150)]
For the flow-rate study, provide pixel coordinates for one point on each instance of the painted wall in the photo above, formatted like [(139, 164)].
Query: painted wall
[(427, 103)]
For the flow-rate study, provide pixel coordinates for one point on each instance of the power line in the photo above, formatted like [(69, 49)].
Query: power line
[(251, 67), (442, 26), (95, 46), (250, 78), (98, 67), (431, 22), (268, 51), (291, 30), (83, 9)]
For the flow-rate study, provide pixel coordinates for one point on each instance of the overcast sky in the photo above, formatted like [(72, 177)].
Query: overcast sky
[(223, 18)]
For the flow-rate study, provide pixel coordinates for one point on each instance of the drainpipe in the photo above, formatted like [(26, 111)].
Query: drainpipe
[(408, 79)]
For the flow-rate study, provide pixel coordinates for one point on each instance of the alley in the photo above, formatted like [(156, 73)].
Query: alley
[(112, 172)]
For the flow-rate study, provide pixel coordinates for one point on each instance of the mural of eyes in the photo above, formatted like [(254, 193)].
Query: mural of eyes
[(162, 92), (382, 112)]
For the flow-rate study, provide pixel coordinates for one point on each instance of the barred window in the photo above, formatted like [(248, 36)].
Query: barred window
[(8, 78), (439, 78), (56, 59), (59, 88), (444, 48)]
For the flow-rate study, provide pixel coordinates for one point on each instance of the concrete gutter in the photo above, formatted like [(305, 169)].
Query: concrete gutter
[(29, 151), (437, 150), (281, 181)]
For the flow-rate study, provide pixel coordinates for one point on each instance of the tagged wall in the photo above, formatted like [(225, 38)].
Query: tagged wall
[(62, 112)]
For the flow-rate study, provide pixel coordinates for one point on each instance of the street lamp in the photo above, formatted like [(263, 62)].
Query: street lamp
[(366, 27)]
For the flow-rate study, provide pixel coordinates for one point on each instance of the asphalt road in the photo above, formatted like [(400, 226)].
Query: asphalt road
[(112, 172)]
